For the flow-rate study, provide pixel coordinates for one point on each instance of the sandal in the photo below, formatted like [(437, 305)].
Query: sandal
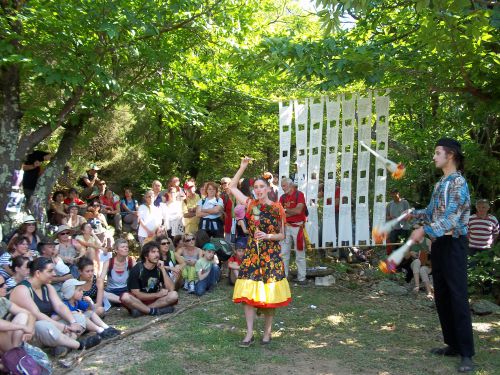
[(246, 344), (466, 365), (430, 296), (416, 289), (446, 351), (265, 342)]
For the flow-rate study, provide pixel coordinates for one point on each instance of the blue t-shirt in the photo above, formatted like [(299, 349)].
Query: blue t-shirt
[(131, 205), (80, 305)]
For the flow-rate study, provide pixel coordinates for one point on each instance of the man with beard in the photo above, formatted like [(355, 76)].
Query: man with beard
[(149, 283)]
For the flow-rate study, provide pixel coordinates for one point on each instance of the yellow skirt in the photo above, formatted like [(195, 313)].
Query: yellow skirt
[(258, 294)]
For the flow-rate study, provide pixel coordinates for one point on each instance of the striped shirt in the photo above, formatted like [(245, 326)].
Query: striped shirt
[(482, 232), (449, 208)]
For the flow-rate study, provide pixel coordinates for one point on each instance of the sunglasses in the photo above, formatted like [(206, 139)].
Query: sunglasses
[(3, 284), (189, 239), (165, 243), (64, 234), (30, 224)]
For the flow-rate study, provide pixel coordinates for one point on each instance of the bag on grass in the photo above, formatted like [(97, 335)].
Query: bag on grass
[(17, 361)]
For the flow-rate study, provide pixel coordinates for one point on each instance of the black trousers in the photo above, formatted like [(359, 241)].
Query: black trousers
[(449, 272)]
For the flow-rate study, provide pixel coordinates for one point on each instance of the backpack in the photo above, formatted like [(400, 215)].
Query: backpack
[(222, 246), (17, 362), (282, 200), (112, 263)]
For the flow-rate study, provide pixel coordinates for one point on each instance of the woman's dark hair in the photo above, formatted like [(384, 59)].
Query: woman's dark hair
[(84, 262), (72, 190), (18, 262), (82, 227), (459, 159), (39, 264), (16, 241), (56, 193), (146, 249), (176, 240), (24, 227), (201, 238), (245, 187)]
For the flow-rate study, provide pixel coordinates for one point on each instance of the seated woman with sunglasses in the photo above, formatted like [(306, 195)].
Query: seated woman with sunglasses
[(190, 254), (56, 326), (68, 249), (13, 332), (173, 262), (28, 229)]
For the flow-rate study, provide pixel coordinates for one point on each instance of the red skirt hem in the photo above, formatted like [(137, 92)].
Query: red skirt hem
[(261, 304)]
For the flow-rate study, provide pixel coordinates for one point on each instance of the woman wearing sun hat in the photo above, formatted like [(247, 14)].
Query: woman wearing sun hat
[(28, 229)]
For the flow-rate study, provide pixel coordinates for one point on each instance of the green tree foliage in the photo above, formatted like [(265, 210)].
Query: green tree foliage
[(439, 59)]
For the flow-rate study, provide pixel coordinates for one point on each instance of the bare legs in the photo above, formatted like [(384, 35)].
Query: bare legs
[(250, 314)]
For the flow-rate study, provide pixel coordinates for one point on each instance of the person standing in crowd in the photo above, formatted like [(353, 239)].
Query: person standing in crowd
[(294, 204), (157, 193), (394, 209), (448, 215), (210, 210), (32, 168), (483, 229), (149, 218), (191, 221), (261, 269), (228, 208)]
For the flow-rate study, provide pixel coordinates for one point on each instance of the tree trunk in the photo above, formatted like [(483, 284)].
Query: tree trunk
[(40, 199)]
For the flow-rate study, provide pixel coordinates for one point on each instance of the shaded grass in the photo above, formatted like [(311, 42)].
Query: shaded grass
[(363, 332)]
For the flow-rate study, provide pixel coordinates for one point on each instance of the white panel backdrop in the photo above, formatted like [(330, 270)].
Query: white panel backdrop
[(356, 114)]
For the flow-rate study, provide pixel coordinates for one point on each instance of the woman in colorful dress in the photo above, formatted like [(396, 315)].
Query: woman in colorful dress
[(261, 285)]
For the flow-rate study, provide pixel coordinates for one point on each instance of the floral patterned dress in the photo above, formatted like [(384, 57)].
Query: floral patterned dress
[(261, 280)]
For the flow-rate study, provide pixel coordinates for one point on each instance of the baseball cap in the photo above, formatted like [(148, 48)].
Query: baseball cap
[(209, 246), (94, 167), (68, 287)]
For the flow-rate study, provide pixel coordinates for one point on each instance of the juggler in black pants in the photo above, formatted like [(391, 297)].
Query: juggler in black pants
[(449, 272)]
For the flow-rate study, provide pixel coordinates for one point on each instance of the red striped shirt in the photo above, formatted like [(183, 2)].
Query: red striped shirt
[(482, 231)]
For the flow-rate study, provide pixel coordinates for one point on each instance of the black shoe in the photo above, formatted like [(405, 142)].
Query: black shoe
[(109, 333), (466, 365), (60, 351), (89, 342), (246, 344), (447, 351), (135, 313), (166, 310)]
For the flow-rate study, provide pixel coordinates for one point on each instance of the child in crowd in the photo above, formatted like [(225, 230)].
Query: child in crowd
[(72, 294), (235, 261), (190, 254), (207, 270)]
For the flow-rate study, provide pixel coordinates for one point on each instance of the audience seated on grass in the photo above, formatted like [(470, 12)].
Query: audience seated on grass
[(110, 206), (17, 247), (149, 283), (47, 248), (129, 210), (207, 270), (68, 248), (93, 286), (18, 327), (73, 220), (173, 262), (56, 326), (19, 267), (72, 294), (116, 271), (190, 255), (57, 209), (233, 264), (28, 229)]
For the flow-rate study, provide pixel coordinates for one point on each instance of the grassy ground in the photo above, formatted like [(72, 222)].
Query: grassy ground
[(342, 329)]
